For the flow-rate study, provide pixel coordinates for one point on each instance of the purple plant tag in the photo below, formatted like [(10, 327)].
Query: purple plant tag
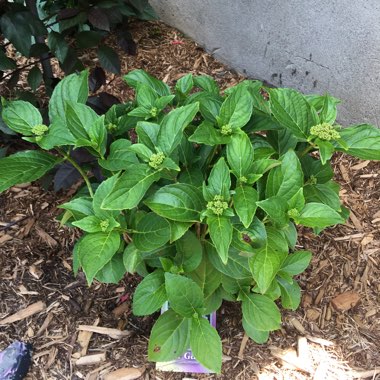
[(186, 362), (15, 361)]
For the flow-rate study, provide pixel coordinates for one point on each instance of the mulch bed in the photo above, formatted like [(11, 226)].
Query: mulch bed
[(36, 265)]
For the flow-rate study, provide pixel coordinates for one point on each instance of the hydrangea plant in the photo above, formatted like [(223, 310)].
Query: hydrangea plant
[(204, 203)]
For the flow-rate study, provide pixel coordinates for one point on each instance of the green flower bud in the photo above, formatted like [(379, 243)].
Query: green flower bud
[(104, 224), (313, 180), (218, 205), (111, 127), (40, 129), (243, 179), (226, 130), (156, 159), (154, 112), (293, 213), (325, 131)]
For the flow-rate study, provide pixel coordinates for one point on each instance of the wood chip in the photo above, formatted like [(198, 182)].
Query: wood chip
[(242, 346), (320, 341), (356, 221), (112, 333), (118, 311), (312, 314), (46, 237), (345, 301), (297, 325), (361, 165), (35, 272), (289, 357), (91, 359), (45, 324), (84, 338), (125, 374), (25, 313), (5, 238)]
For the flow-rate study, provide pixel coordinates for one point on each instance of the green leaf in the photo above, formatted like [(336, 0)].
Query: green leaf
[(268, 260), (72, 88), (58, 45), (178, 229), (109, 59), (245, 199), (236, 110), (6, 63), (220, 230), (276, 208), (260, 312), (180, 202), (326, 150), (80, 120), (328, 111), (318, 215), (185, 84), (207, 277), (170, 337), (256, 335), (173, 125), (313, 167), (263, 165), (96, 250), (132, 260), (296, 263), (79, 207), (363, 141), (130, 188), (219, 181), (145, 96), (237, 266), (88, 39), (21, 117), (147, 133), (207, 134), (206, 83), (327, 193), (152, 232), (184, 295), (205, 344), (150, 294), (113, 271), (189, 252), (240, 155), (34, 78), (290, 294), (282, 140), (286, 179), (134, 77), (292, 111), (57, 135), (297, 201), (119, 157), (25, 166)]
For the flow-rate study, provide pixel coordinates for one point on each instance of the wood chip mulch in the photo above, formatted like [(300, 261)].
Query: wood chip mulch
[(335, 334)]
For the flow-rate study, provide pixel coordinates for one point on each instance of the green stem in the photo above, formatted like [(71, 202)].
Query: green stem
[(80, 170), (308, 149)]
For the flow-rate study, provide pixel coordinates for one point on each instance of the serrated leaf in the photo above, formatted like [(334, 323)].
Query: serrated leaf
[(96, 250), (290, 294), (180, 202), (150, 294), (119, 157), (261, 312), (178, 229), (245, 199), (184, 295), (73, 88), (21, 117), (24, 167), (113, 271), (268, 260), (185, 84), (207, 134), (34, 78), (152, 232), (173, 125), (109, 59), (134, 77), (189, 252), (318, 215), (296, 263), (220, 230), (219, 181), (240, 155), (292, 111), (276, 208), (130, 188), (256, 335), (169, 338), (205, 344), (286, 179)]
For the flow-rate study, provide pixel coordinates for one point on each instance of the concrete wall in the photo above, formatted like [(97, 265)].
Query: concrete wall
[(314, 46)]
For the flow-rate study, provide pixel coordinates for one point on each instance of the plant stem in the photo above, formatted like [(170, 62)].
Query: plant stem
[(308, 149), (80, 170)]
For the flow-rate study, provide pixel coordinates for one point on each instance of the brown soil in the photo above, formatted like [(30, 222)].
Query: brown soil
[(36, 265)]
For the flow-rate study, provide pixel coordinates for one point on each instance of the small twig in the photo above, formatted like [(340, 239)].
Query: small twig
[(9, 225)]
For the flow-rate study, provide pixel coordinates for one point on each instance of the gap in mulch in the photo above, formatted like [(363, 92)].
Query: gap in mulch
[(36, 265)]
